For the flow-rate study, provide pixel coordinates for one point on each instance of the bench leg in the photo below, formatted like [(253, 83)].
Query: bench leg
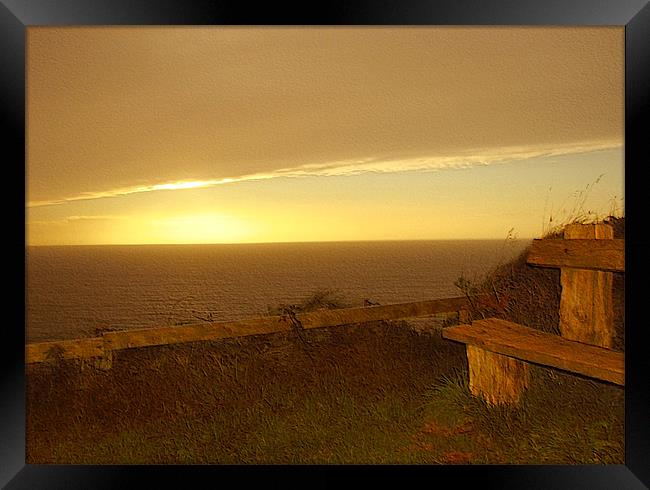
[(497, 379)]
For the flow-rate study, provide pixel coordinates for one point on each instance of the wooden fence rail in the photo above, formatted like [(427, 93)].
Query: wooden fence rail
[(102, 347)]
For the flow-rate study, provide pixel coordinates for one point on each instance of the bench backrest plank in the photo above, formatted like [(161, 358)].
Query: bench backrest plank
[(593, 254)]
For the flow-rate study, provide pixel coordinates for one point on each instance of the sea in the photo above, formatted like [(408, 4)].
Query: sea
[(77, 291)]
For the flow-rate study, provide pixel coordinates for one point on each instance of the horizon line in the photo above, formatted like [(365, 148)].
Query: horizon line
[(277, 243)]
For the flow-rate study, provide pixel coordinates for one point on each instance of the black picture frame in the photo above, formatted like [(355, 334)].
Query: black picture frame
[(17, 15)]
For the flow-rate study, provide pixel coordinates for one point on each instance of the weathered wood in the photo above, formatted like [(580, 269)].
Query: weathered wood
[(64, 349), (126, 339), (587, 304), (497, 379), (144, 337), (345, 316), (527, 344), (593, 254), (464, 316), (102, 347)]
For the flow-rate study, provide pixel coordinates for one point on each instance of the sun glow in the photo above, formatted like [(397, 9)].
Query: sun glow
[(190, 228), (202, 228)]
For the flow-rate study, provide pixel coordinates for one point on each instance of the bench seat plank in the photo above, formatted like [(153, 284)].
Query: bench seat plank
[(527, 344)]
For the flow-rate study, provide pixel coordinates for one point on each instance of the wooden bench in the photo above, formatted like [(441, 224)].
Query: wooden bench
[(499, 351)]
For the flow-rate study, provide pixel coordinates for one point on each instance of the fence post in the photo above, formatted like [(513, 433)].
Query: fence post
[(463, 316), (105, 362), (586, 304)]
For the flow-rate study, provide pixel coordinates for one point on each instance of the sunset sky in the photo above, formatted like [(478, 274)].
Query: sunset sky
[(266, 134)]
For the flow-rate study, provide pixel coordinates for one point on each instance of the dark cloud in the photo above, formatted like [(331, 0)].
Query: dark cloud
[(124, 108)]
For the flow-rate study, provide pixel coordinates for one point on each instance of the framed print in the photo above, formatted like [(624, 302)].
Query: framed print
[(234, 214)]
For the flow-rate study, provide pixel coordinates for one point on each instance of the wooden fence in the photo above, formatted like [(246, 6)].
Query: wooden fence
[(100, 349)]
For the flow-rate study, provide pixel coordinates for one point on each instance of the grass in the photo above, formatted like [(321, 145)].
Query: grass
[(321, 298), (577, 211), (377, 394), (585, 425), (348, 395), (317, 430)]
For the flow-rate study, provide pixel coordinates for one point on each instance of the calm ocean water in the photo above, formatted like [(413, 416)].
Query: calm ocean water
[(71, 291)]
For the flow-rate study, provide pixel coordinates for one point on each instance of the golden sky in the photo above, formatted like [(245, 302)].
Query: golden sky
[(231, 134)]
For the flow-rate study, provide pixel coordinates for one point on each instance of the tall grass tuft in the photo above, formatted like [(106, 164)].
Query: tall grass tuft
[(320, 299), (577, 212)]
